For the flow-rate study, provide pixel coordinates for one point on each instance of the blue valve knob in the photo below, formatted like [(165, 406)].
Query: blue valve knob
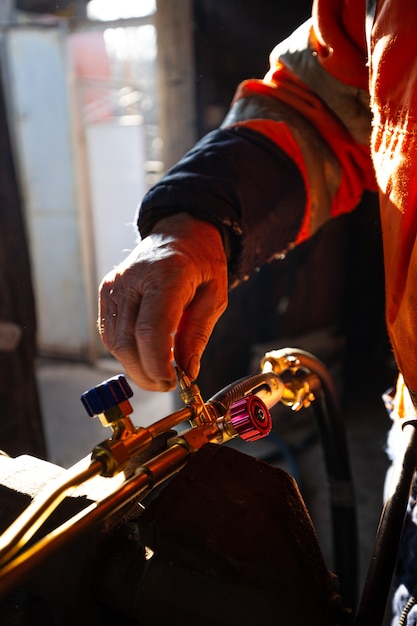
[(105, 396), (250, 418)]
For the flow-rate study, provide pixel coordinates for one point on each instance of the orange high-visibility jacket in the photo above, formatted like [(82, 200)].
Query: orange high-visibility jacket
[(335, 115)]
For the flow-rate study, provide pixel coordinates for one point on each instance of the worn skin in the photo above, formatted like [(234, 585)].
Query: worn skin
[(162, 302)]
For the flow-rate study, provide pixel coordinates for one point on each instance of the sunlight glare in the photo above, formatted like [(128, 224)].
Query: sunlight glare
[(111, 10)]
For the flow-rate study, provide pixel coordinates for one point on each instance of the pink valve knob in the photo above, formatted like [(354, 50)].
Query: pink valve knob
[(250, 418)]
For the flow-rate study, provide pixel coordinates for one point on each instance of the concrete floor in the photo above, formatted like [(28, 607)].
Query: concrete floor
[(71, 434)]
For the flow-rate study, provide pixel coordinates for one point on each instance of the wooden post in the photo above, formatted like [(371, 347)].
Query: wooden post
[(21, 429), (176, 76)]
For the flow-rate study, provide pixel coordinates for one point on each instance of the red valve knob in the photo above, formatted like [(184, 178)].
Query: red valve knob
[(250, 418)]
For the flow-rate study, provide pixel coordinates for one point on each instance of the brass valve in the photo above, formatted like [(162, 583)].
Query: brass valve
[(109, 401), (247, 417), (191, 396), (298, 384)]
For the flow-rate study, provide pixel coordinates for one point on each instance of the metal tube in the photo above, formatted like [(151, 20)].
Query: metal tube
[(32, 518), (151, 474), (170, 421)]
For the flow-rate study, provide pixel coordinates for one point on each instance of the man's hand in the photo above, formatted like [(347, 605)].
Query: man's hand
[(163, 301)]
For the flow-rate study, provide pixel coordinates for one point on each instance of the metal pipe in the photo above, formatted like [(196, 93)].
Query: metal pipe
[(32, 518), (151, 474), (170, 421)]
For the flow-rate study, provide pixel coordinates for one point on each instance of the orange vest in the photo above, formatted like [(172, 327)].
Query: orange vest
[(337, 40)]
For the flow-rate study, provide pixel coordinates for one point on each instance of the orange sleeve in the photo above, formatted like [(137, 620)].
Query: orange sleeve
[(336, 167), (393, 85)]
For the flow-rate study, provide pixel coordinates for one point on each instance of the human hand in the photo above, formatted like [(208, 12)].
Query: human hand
[(163, 301)]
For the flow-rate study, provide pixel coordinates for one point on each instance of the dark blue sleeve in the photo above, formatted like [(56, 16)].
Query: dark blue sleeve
[(243, 183)]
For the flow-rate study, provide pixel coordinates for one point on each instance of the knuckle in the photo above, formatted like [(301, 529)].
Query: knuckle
[(125, 352), (199, 333)]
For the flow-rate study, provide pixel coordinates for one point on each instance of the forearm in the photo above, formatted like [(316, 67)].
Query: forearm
[(243, 183), (292, 153)]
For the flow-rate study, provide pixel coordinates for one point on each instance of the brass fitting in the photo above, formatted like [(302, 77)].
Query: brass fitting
[(118, 418), (279, 361), (191, 396), (114, 453), (298, 392)]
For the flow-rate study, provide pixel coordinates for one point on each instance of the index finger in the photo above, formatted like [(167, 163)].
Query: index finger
[(157, 322), (117, 326)]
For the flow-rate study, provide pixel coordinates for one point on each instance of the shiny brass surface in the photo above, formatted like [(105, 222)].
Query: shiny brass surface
[(282, 379), (191, 396), (26, 525), (298, 391)]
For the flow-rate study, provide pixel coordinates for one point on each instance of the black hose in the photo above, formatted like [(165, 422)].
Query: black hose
[(342, 501), (381, 569), (330, 424)]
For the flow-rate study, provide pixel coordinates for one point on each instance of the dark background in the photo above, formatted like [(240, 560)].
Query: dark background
[(335, 281)]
